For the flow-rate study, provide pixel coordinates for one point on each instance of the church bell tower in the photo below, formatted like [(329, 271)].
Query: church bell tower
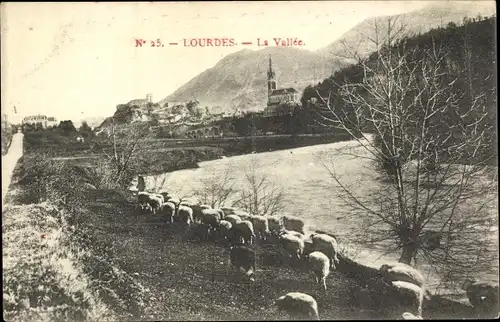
[(271, 82)]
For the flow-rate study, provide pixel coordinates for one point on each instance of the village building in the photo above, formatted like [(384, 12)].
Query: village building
[(42, 120), (277, 97)]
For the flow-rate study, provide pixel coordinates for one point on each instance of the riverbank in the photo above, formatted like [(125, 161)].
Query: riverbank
[(140, 268)]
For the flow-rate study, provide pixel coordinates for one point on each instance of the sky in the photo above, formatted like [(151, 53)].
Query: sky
[(80, 60)]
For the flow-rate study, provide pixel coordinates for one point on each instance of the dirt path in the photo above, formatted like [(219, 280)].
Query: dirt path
[(9, 162)]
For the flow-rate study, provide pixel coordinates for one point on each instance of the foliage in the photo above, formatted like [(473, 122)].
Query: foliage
[(7, 131), (216, 189), (259, 196), (48, 284), (85, 130), (432, 143), (127, 142), (66, 127)]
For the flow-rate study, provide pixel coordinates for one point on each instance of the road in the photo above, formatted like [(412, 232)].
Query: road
[(9, 162)]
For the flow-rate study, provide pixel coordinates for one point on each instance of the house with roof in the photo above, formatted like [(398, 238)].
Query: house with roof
[(41, 120)]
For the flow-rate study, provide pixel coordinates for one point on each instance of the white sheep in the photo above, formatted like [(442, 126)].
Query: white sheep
[(155, 203), (221, 213), (293, 245), (197, 209), (175, 200), (228, 211), (294, 223), (260, 226), (185, 214), (410, 316), (142, 199), (233, 219), (320, 266), (327, 245), (224, 228), (159, 196), (210, 218), (242, 214), (298, 304), (274, 224), (245, 231), (401, 272), (412, 290), (293, 233), (169, 211)]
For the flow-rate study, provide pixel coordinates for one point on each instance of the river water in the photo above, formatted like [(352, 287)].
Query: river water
[(305, 174)]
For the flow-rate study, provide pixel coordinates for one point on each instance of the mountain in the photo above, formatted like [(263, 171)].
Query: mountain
[(438, 13), (239, 80)]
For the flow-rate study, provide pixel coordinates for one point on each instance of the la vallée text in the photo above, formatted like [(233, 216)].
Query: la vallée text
[(223, 42)]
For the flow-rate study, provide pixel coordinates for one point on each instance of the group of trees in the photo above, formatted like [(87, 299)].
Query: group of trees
[(62, 136), (428, 103), (253, 192)]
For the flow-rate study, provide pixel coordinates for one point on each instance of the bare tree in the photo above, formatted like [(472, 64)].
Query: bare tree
[(259, 196), (429, 140), (127, 142), (217, 188)]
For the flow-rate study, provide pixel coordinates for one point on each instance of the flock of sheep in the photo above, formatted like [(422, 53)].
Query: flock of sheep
[(238, 229)]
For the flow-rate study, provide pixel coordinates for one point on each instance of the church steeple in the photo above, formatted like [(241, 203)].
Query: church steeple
[(271, 82)]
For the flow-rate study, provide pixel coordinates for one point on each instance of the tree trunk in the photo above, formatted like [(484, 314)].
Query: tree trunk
[(409, 252)]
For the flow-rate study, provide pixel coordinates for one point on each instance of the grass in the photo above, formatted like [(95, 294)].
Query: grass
[(43, 278)]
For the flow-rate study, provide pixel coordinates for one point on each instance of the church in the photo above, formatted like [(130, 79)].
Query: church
[(275, 96)]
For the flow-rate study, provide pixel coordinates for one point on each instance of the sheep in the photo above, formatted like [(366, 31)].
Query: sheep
[(483, 296), (308, 246), (242, 257), (410, 316), (228, 210), (298, 304), (293, 233), (155, 203), (210, 218), (175, 200), (186, 203), (169, 211), (293, 223), (401, 272), (165, 195), (233, 219), (260, 226), (328, 246), (274, 224), (293, 245), (319, 263), (407, 289), (159, 196), (185, 214), (224, 228), (245, 231), (221, 213), (197, 209), (142, 199), (242, 214)]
